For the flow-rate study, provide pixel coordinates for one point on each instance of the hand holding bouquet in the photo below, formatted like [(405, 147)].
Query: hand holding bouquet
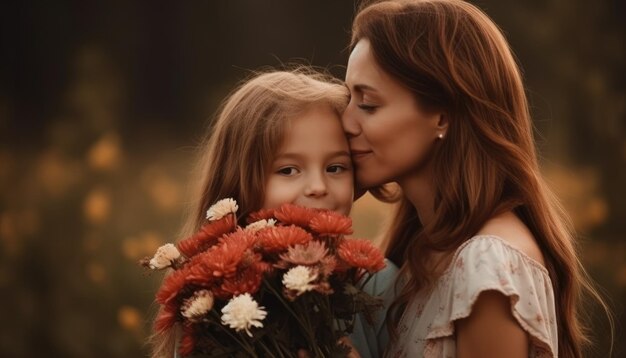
[(289, 280)]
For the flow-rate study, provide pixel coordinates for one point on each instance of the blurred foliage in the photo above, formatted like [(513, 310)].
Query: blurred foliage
[(102, 104)]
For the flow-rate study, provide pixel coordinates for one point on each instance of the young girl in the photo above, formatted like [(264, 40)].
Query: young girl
[(278, 139), (438, 107)]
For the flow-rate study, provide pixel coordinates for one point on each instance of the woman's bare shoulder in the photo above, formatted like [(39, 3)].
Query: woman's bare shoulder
[(510, 228)]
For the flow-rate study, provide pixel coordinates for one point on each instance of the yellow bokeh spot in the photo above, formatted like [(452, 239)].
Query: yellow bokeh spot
[(597, 211), (97, 206), (57, 174), (129, 318), (162, 189), (135, 248), (106, 153), (96, 272)]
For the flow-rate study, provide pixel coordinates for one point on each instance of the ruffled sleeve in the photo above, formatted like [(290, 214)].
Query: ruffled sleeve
[(489, 263)]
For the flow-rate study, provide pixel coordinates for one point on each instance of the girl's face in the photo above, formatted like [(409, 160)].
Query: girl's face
[(313, 166), (390, 135)]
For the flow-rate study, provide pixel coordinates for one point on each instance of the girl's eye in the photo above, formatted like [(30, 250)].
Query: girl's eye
[(287, 171), (336, 168), (367, 107)]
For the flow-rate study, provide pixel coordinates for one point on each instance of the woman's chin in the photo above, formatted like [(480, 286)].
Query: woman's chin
[(370, 182)]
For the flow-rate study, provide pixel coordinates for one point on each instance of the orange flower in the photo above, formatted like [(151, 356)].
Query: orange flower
[(207, 236), (187, 341), (290, 214), (241, 237), (220, 261), (165, 318), (263, 214), (247, 281), (331, 223), (361, 254), (171, 286), (279, 238)]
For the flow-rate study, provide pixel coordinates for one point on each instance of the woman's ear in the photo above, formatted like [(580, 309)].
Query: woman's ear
[(442, 122), (442, 125)]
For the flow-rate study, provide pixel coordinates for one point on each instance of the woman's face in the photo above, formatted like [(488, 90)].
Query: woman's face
[(391, 137)]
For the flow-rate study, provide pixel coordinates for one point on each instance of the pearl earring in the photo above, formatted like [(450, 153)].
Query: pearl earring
[(440, 136)]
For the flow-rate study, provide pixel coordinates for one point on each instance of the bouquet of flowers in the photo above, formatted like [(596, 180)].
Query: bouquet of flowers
[(289, 280)]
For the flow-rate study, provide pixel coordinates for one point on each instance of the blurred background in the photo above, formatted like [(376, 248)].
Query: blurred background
[(102, 105)]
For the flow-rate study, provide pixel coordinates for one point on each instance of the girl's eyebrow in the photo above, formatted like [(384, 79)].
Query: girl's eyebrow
[(288, 155), (340, 153)]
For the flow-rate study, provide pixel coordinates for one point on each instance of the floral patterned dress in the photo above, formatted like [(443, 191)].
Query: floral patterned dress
[(483, 263)]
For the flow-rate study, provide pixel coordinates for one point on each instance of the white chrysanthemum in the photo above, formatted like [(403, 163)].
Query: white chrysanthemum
[(243, 312), (198, 305), (221, 209), (164, 257), (299, 279), (261, 224)]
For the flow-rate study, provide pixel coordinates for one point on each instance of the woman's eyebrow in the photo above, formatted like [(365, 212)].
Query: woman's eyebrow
[(361, 87)]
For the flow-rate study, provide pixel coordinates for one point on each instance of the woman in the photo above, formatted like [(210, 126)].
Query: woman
[(438, 107)]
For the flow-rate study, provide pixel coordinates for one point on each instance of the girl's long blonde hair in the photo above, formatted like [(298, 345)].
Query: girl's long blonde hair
[(452, 57), (241, 144)]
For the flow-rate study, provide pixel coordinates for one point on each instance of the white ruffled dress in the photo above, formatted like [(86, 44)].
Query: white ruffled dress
[(483, 263)]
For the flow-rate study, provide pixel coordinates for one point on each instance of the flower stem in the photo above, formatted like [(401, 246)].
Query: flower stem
[(306, 326), (241, 342), (314, 346), (369, 277)]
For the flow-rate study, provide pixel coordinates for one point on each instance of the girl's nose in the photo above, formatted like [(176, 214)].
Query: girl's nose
[(316, 186)]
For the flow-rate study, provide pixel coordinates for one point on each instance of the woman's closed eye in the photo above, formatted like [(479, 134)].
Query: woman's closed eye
[(369, 108)]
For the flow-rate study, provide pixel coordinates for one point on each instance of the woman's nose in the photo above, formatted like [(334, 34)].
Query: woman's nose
[(348, 120)]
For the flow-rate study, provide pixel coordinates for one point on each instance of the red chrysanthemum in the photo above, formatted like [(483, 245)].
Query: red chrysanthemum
[(166, 318), (263, 214), (241, 237), (361, 254), (280, 238), (331, 223), (187, 341), (290, 214), (207, 236), (246, 281), (219, 262), (171, 286)]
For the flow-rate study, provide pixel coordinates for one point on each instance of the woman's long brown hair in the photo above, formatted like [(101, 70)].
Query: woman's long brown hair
[(238, 150), (454, 58)]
